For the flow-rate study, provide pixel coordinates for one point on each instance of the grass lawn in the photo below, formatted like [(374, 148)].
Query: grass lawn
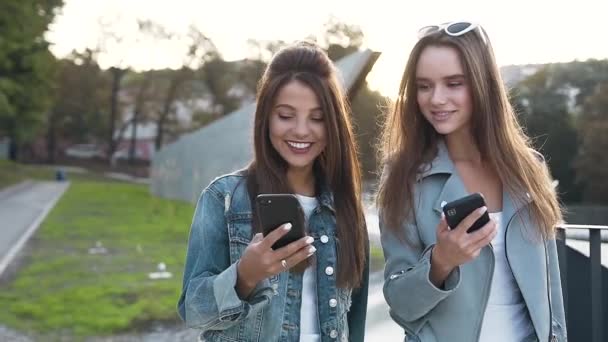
[(61, 287), (12, 173)]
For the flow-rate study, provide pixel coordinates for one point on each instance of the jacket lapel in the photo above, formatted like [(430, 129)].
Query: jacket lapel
[(453, 188), (527, 259)]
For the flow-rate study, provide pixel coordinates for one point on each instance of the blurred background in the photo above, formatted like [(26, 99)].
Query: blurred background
[(107, 107)]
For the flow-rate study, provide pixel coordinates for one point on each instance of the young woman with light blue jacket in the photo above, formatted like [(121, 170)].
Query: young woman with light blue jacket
[(452, 132)]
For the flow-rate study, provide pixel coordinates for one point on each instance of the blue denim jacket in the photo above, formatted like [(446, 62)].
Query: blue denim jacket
[(220, 232)]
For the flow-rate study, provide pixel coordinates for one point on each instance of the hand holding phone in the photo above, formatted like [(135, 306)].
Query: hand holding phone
[(274, 210), (457, 210), (461, 235)]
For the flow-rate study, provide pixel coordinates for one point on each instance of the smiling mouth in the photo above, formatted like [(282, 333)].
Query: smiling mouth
[(299, 145), (442, 115)]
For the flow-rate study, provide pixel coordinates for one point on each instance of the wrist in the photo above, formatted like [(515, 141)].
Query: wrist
[(439, 262), (243, 277)]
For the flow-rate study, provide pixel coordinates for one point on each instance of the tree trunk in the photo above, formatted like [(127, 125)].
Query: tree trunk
[(117, 75), (137, 111), (51, 139), (160, 123)]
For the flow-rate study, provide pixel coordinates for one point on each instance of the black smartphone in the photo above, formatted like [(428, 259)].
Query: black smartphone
[(273, 210), (457, 210)]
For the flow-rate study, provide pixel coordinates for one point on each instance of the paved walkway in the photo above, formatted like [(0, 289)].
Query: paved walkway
[(22, 209), (379, 324)]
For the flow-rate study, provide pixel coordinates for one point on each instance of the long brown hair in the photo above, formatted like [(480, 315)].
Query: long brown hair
[(337, 167), (409, 142)]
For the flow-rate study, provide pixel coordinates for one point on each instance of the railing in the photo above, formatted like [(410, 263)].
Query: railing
[(595, 281)]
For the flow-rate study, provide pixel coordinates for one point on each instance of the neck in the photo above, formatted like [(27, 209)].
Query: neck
[(462, 147), (302, 181)]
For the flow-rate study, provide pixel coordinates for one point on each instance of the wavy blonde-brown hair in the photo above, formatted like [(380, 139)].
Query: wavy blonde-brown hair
[(409, 141)]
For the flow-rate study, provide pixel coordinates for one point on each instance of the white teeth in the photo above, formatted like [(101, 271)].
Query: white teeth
[(299, 145)]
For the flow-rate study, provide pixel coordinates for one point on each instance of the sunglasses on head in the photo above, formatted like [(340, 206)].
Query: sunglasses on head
[(454, 29)]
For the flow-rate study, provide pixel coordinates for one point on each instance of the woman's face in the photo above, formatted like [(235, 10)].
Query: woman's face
[(443, 92), (297, 127)]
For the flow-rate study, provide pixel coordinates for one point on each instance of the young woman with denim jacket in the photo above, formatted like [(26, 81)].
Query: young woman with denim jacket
[(236, 287), (452, 132)]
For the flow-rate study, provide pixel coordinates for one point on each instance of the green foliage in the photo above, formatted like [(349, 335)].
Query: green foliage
[(64, 288), (26, 66), (564, 109), (367, 108), (83, 90), (549, 123), (592, 164)]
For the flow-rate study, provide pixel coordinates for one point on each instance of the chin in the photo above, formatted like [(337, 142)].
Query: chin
[(443, 129)]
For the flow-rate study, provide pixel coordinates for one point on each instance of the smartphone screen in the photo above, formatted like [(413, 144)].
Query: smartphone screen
[(275, 210)]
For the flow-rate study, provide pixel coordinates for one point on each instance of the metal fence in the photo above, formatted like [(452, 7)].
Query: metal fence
[(582, 283)]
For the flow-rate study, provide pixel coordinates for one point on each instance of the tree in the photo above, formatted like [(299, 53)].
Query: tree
[(81, 89), (139, 110), (543, 104), (26, 68), (340, 40), (592, 164)]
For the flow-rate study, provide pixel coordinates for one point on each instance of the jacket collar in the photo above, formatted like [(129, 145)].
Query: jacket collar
[(454, 188), (325, 196)]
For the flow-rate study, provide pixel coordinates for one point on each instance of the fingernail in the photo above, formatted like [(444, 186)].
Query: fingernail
[(312, 249), (309, 240), (287, 226), (483, 209)]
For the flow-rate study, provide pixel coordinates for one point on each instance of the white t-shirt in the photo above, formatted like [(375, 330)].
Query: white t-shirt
[(506, 318), (309, 316)]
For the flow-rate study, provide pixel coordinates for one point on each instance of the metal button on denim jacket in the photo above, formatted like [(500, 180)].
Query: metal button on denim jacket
[(220, 232)]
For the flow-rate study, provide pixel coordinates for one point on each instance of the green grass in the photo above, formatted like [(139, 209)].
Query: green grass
[(12, 173), (62, 287), (376, 259)]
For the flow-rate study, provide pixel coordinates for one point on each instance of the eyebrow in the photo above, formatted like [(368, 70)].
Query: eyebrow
[(284, 105), (450, 77)]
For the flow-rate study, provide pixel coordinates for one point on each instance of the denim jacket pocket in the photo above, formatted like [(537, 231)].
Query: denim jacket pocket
[(219, 336), (239, 233)]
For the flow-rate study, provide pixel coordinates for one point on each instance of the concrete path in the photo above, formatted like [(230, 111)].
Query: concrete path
[(379, 324), (22, 209)]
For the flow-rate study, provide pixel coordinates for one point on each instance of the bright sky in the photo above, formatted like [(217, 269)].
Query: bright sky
[(521, 31)]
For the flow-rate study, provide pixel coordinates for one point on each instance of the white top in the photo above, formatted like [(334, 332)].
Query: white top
[(309, 316), (506, 318)]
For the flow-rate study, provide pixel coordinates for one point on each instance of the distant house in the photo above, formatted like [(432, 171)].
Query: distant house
[(184, 112), (181, 169)]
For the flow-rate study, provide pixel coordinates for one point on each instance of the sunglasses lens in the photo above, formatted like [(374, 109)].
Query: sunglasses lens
[(456, 28)]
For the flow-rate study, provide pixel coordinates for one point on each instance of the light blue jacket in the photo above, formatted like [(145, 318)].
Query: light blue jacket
[(220, 232), (455, 313)]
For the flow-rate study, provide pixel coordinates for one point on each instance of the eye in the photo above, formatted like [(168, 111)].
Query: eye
[(317, 118), (454, 84), (285, 116), (423, 86)]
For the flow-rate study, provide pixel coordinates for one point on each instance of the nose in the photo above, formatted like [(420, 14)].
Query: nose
[(301, 130), (439, 96)]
